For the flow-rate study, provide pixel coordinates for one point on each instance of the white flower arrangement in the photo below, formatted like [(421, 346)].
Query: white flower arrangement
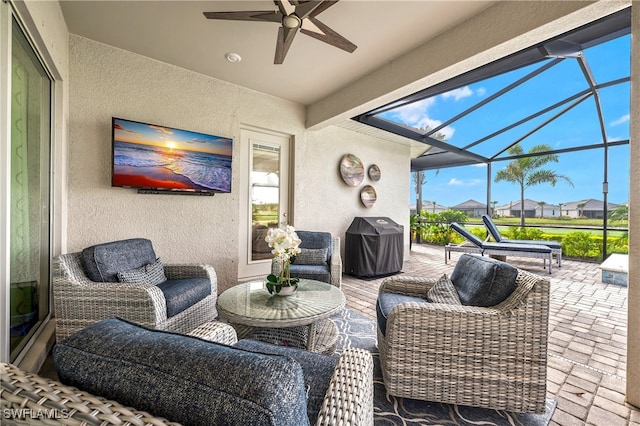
[(284, 243)]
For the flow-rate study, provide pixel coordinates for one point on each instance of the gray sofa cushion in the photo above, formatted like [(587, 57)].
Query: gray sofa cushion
[(482, 281), (102, 262), (153, 273), (317, 370), (184, 293), (386, 302), (182, 378)]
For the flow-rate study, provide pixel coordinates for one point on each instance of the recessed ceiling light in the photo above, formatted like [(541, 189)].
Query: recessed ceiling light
[(233, 57)]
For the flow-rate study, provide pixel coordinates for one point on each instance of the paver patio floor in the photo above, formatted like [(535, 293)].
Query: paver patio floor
[(587, 334)]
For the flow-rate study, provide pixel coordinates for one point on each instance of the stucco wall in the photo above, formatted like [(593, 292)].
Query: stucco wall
[(324, 199), (106, 82)]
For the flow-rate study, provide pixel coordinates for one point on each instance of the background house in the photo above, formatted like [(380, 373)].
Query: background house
[(592, 209)]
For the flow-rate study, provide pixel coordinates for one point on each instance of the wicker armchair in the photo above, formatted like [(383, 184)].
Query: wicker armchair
[(30, 399), (330, 272), (78, 301), (493, 357)]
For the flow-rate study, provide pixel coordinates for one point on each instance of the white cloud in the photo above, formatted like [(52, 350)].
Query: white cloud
[(470, 182), (481, 91), (457, 94), (417, 115), (622, 120)]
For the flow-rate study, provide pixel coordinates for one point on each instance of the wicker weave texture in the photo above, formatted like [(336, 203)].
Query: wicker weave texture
[(28, 399), (78, 301), (484, 357), (216, 331)]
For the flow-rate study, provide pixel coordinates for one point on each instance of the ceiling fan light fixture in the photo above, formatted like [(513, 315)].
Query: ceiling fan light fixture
[(291, 21), (233, 57)]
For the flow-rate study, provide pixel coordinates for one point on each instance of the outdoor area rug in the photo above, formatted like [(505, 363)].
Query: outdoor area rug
[(357, 330)]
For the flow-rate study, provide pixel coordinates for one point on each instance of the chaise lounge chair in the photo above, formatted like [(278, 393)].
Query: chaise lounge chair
[(556, 247), (497, 249)]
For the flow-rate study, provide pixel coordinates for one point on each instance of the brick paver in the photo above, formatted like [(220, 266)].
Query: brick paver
[(587, 334)]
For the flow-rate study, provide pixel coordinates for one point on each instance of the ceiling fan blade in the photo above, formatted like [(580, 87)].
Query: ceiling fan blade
[(308, 25), (262, 15), (329, 36), (312, 8), (285, 38), (285, 7)]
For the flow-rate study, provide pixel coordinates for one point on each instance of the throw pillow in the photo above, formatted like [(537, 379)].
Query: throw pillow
[(443, 291), (153, 273), (311, 257)]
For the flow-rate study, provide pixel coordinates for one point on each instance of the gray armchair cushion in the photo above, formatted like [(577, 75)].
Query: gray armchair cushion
[(102, 262), (482, 281), (315, 240), (184, 293), (152, 273), (182, 378), (312, 272), (317, 370), (386, 302)]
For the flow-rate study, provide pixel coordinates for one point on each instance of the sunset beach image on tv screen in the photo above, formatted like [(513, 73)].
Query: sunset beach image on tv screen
[(158, 157)]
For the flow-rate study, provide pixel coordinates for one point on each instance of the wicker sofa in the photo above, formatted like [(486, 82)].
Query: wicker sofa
[(484, 356), (84, 294), (182, 378)]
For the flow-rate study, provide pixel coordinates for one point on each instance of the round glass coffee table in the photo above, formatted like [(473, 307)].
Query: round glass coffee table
[(299, 320)]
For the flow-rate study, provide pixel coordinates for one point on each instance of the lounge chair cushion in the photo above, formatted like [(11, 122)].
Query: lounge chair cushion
[(483, 281), (386, 302), (182, 378), (443, 291), (316, 368), (506, 247), (102, 262)]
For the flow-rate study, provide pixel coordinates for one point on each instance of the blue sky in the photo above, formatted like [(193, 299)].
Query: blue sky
[(578, 127)]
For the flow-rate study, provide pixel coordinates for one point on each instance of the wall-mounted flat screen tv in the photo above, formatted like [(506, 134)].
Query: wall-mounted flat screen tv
[(151, 157)]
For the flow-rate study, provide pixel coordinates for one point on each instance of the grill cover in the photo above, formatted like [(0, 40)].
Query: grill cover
[(373, 246)]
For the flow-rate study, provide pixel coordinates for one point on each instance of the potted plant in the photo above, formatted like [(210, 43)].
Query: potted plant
[(284, 243)]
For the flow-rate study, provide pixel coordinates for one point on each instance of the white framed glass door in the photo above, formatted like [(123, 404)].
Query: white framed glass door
[(264, 200)]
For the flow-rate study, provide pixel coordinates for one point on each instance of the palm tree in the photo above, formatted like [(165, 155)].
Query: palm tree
[(526, 172), (560, 205), (541, 204), (581, 209), (493, 208)]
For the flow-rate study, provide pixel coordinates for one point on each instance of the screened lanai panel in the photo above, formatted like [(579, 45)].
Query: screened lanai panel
[(535, 96), (602, 58), (616, 106)]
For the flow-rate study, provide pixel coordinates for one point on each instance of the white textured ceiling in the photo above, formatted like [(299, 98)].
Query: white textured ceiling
[(176, 32)]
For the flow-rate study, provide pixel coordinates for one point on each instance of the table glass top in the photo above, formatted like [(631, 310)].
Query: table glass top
[(251, 302)]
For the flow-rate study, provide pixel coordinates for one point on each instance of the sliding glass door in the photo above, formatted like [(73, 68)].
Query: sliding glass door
[(29, 192)]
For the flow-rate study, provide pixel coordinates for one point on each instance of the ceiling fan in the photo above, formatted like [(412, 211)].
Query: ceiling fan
[(294, 16)]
